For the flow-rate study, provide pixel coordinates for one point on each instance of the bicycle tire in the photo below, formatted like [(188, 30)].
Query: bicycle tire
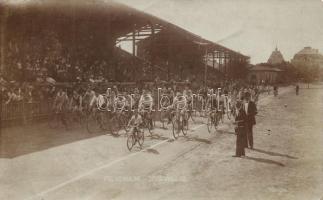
[(92, 124), (209, 124), (148, 126), (114, 125), (141, 138), (229, 115), (175, 128), (130, 142), (185, 127), (53, 121)]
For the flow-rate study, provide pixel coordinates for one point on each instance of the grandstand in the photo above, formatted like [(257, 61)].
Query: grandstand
[(81, 40)]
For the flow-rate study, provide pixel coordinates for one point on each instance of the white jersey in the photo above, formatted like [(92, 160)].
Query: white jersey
[(146, 102), (180, 102), (97, 100)]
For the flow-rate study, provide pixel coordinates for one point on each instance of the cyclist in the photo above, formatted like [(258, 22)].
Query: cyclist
[(86, 99), (222, 102), (275, 90), (120, 103), (212, 105), (188, 94), (180, 107), (135, 122), (180, 102), (76, 102), (98, 101), (297, 89), (136, 98), (61, 106), (146, 105)]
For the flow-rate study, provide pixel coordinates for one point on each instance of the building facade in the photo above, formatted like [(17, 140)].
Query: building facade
[(309, 57), (264, 73), (270, 72)]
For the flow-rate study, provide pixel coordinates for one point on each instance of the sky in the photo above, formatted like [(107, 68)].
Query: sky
[(252, 27)]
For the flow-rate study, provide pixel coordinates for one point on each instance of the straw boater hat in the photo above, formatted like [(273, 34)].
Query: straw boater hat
[(247, 94), (238, 104)]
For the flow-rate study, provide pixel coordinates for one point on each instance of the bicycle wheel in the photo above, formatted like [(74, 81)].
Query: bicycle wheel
[(73, 119), (229, 114), (114, 126), (184, 126), (53, 121), (82, 118), (92, 124), (123, 122), (130, 141), (163, 118), (222, 116), (175, 128), (149, 126), (216, 120), (209, 124), (141, 138), (191, 115)]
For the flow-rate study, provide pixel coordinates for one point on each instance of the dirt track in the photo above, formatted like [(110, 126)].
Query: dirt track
[(287, 162)]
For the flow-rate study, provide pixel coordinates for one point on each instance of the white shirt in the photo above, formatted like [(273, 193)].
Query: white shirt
[(246, 104)]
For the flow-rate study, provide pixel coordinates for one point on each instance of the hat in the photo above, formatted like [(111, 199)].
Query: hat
[(238, 104), (247, 94)]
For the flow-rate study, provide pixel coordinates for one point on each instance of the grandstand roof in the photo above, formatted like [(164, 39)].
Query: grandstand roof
[(121, 19)]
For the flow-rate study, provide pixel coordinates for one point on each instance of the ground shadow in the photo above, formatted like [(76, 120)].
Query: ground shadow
[(197, 139), (153, 151), (158, 137), (274, 153), (21, 140), (267, 161), (226, 132)]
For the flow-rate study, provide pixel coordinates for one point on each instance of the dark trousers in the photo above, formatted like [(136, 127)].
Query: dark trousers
[(250, 135), (241, 141)]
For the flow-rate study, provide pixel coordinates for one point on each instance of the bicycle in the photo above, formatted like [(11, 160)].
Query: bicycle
[(164, 116), (120, 119), (98, 121), (137, 136), (220, 113), (76, 117), (212, 120), (230, 111), (147, 121), (180, 123), (191, 114), (56, 118), (275, 93)]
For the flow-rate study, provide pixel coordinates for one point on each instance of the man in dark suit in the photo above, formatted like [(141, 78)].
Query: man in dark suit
[(240, 130), (251, 111)]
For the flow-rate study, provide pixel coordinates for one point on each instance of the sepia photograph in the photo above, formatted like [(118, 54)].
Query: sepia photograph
[(161, 99)]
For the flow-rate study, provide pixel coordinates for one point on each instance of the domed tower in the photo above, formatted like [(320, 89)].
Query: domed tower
[(276, 57)]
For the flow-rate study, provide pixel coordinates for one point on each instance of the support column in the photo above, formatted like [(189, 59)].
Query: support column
[(213, 60), (220, 62), (225, 63), (134, 43), (169, 49), (205, 70), (3, 27), (152, 53)]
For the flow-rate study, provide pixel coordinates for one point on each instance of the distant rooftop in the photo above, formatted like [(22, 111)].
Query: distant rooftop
[(308, 51), (264, 67), (276, 57)]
